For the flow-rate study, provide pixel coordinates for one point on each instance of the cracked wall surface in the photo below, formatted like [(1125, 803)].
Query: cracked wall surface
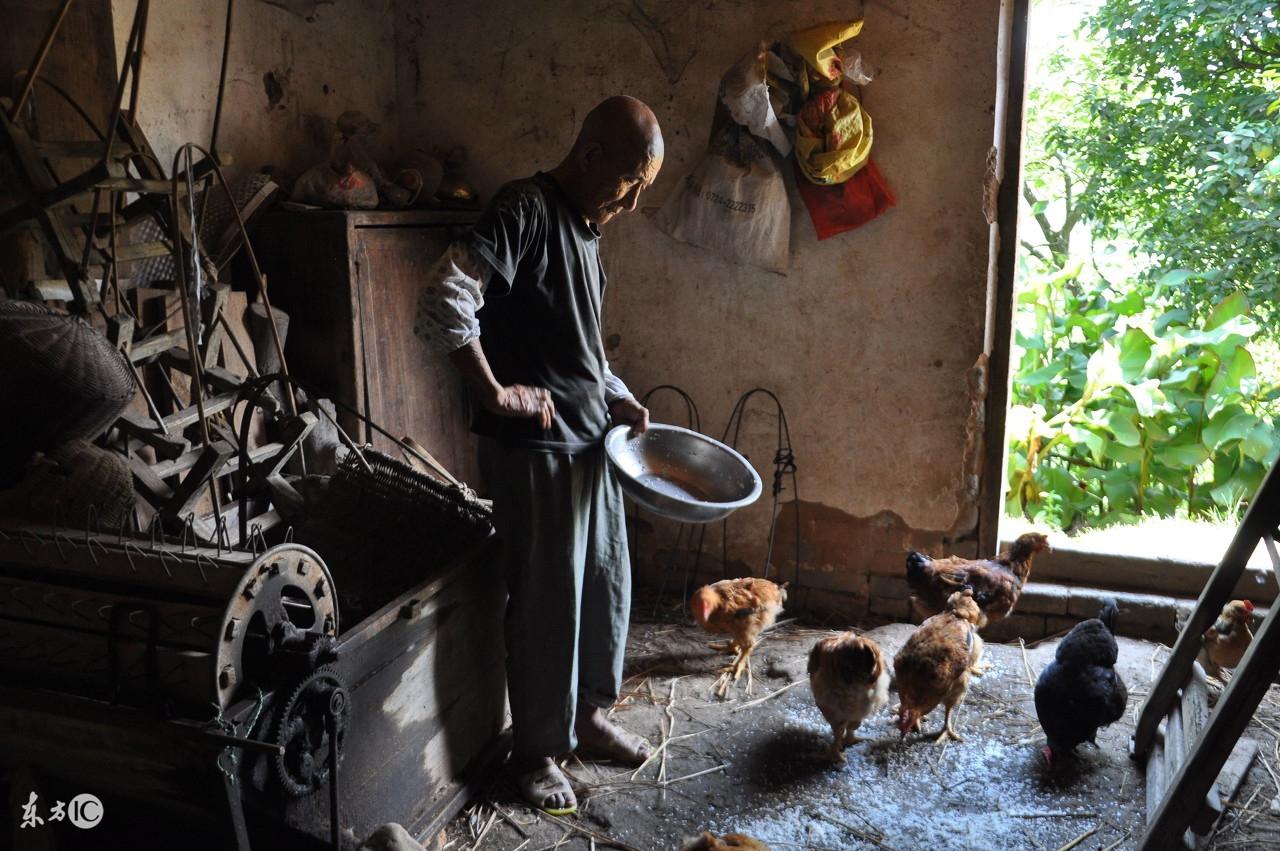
[(873, 341), (294, 64)]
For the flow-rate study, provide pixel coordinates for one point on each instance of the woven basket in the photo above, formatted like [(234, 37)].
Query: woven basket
[(76, 486), (383, 530), (59, 379)]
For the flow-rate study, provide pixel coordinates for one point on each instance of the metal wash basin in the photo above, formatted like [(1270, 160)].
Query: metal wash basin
[(681, 474)]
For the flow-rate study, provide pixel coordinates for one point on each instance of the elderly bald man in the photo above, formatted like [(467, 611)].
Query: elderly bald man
[(517, 306)]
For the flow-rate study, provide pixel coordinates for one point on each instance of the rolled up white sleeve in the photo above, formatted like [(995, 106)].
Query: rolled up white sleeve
[(614, 389), (451, 296)]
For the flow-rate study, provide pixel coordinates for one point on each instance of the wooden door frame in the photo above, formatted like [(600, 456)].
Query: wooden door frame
[(1011, 64)]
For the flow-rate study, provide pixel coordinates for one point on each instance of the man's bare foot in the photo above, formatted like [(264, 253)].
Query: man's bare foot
[(543, 785), (600, 738)]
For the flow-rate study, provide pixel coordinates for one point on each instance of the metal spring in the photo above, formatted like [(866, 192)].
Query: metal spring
[(256, 538), (57, 504), (89, 542), (130, 545), (222, 533), (166, 554), (188, 526), (204, 577)]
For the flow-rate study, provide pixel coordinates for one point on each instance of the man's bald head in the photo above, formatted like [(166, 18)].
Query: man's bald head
[(625, 124), (616, 156)]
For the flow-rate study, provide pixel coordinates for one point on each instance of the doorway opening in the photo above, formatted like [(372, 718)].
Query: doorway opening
[(1145, 364)]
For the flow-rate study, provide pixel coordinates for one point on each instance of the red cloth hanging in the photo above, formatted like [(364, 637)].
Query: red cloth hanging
[(845, 206)]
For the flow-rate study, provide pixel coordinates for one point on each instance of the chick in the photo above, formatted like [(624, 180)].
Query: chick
[(708, 841), (934, 665), (741, 608), (1080, 691), (850, 681), (1226, 641)]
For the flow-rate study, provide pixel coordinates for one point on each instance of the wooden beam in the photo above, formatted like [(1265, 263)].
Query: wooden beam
[(156, 344), (998, 342), (1232, 714), (211, 460), (180, 465), (167, 446), (1259, 520), (175, 422)]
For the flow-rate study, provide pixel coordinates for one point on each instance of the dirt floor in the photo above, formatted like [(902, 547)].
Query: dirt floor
[(753, 764)]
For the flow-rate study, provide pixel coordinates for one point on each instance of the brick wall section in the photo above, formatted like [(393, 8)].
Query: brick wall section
[(1043, 610)]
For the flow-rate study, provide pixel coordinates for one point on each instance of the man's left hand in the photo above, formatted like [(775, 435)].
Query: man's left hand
[(627, 411)]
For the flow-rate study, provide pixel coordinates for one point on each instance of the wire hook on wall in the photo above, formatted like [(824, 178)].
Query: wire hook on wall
[(784, 465)]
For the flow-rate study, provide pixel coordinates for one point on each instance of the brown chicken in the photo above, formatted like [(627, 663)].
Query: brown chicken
[(850, 681), (1228, 638), (997, 583), (742, 609), (708, 841), (933, 666)]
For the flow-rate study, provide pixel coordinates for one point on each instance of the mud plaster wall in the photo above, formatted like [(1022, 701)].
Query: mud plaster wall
[(292, 62), (868, 341)]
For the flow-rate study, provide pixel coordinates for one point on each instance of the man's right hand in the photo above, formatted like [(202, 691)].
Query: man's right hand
[(519, 400)]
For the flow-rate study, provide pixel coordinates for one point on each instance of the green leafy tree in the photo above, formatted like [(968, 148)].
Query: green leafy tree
[(1179, 146), (1125, 405)]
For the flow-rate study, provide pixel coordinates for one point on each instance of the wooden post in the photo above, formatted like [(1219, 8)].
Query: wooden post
[(1199, 771), (1258, 521)]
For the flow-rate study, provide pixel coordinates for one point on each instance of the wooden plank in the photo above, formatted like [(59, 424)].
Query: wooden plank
[(1269, 540), (292, 433), (1002, 267), (167, 446), (79, 149), (179, 420), (211, 460), (1227, 722), (1195, 705), (87, 609), (185, 462), (157, 343), (133, 184), (409, 388), (1258, 521), (1073, 565), (1228, 783), (141, 251), (149, 485), (214, 376), (71, 558)]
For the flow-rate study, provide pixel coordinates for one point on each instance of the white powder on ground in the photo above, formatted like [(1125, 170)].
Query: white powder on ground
[(979, 794)]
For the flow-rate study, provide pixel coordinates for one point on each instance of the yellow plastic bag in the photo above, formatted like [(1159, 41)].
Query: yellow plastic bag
[(833, 137), (833, 131), (817, 47)]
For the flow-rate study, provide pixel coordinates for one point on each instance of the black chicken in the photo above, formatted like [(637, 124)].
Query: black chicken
[(1080, 691)]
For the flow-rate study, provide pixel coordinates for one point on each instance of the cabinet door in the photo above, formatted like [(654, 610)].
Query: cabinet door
[(410, 390)]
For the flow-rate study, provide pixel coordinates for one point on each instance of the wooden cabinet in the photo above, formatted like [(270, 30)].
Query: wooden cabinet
[(349, 281)]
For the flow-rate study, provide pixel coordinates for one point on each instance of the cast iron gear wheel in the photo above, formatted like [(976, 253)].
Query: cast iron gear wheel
[(302, 729)]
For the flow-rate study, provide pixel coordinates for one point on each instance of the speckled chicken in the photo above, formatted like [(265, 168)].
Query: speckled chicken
[(997, 583), (708, 841), (1228, 638), (742, 609), (850, 681), (933, 667), (1080, 691)]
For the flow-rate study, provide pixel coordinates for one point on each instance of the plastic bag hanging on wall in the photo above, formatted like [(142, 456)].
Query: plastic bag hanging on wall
[(734, 202), (745, 93)]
